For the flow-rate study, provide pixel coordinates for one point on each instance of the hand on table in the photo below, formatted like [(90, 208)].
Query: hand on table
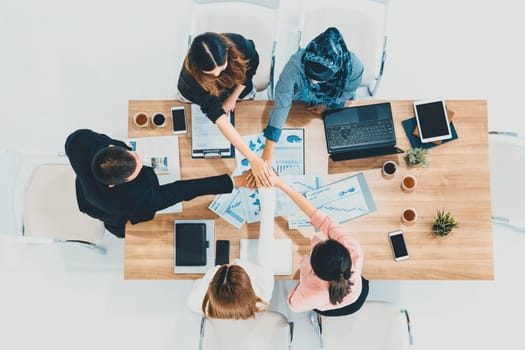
[(245, 180), (229, 104), (319, 109)]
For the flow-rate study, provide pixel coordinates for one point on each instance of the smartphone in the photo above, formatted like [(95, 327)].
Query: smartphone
[(399, 247), (222, 252), (178, 120)]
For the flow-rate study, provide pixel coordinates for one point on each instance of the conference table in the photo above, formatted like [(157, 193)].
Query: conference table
[(457, 180)]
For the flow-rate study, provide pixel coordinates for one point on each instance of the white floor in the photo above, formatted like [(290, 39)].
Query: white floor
[(66, 65)]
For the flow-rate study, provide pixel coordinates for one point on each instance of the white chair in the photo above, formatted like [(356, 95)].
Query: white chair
[(44, 207), (255, 20), (363, 26), (268, 330), (507, 166), (377, 325)]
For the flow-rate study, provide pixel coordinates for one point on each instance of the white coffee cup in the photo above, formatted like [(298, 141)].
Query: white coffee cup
[(158, 119), (408, 183), (409, 215), (389, 168), (141, 120)]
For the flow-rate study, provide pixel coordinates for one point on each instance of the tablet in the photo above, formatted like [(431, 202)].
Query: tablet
[(432, 121)]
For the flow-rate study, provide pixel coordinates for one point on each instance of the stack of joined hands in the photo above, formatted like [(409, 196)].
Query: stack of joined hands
[(268, 177)]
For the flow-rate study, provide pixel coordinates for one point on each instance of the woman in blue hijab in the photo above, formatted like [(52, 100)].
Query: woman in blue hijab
[(324, 75)]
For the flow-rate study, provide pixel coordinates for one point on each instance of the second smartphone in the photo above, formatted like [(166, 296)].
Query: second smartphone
[(178, 120), (399, 247)]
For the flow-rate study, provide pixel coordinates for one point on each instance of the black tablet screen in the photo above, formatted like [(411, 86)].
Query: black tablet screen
[(432, 120)]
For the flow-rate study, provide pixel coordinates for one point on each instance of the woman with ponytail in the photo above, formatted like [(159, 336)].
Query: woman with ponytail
[(330, 280), (241, 289)]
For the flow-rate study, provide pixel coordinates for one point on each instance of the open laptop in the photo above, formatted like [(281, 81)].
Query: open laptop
[(360, 132)]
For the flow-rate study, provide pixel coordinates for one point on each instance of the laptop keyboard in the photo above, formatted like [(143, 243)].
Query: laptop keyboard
[(359, 133)]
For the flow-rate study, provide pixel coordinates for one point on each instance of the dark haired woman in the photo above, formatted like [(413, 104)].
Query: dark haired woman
[(330, 281), (217, 71), (324, 75)]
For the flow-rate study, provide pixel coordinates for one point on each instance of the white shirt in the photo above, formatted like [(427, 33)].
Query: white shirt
[(261, 275)]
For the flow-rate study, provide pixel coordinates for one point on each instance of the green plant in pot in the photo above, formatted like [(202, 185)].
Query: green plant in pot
[(444, 223), (417, 156)]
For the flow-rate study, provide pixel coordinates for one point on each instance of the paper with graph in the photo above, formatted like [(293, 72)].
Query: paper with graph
[(230, 207), (288, 159), (343, 200), (162, 154)]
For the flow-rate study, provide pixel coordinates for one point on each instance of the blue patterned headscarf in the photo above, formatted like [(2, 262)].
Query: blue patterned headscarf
[(328, 49)]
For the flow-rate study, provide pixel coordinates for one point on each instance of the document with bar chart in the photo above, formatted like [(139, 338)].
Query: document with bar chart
[(288, 159), (345, 199)]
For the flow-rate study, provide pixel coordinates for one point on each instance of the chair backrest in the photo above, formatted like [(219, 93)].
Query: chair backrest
[(253, 21), (376, 326), (362, 25), (50, 207), (268, 330), (507, 164)]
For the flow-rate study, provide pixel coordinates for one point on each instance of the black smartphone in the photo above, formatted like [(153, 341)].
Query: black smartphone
[(222, 252), (178, 119), (399, 247)]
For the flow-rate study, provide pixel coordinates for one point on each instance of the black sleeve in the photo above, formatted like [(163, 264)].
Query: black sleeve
[(253, 64), (167, 195), (191, 90)]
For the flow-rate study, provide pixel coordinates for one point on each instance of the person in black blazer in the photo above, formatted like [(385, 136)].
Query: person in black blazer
[(113, 186)]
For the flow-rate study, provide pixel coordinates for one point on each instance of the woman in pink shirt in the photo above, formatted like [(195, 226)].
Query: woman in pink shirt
[(330, 281)]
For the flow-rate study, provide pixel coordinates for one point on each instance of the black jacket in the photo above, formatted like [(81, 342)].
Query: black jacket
[(137, 200), (212, 105)]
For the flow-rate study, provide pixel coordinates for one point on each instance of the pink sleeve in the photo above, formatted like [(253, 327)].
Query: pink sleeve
[(321, 221)]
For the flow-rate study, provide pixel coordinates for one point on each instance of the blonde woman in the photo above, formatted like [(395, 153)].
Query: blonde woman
[(241, 289)]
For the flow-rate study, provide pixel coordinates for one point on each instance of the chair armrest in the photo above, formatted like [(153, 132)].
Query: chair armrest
[(409, 327), (504, 133), (203, 327), (271, 83), (291, 325), (100, 249)]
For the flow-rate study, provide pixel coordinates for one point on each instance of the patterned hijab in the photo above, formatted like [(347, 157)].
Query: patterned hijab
[(326, 56)]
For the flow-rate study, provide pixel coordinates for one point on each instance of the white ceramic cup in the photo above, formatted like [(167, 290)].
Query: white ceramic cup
[(158, 119), (408, 183), (409, 215), (389, 168), (141, 120)]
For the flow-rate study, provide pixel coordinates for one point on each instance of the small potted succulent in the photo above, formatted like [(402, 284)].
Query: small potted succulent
[(444, 223), (417, 156)]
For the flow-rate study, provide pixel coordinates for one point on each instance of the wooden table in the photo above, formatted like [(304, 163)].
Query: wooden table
[(456, 180)]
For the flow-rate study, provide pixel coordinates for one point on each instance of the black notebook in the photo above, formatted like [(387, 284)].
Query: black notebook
[(190, 244)]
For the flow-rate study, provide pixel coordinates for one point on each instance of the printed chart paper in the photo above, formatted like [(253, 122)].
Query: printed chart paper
[(343, 200), (288, 160), (162, 154)]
